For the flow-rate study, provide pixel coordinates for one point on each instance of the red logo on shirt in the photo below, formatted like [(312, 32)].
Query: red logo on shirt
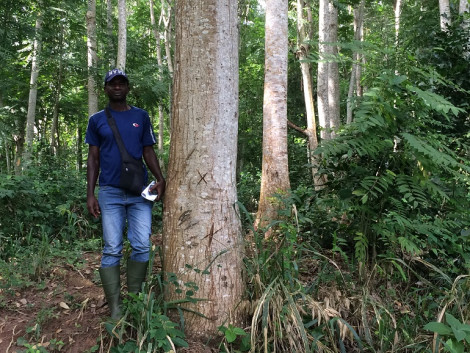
[(135, 125)]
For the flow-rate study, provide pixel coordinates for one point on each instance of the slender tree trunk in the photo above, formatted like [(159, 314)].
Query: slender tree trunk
[(156, 34), (7, 156), (202, 231), (166, 17), (464, 6), (322, 70), (19, 138), (328, 73), (92, 57), (79, 146), (333, 71), (33, 91), (445, 17), (397, 20), (275, 170), (7, 144), (355, 80), (109, 34), (55, 114), (122, 35), (303, 50)]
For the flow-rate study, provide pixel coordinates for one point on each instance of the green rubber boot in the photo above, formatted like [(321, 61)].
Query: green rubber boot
[(111, 281), (136, 272)]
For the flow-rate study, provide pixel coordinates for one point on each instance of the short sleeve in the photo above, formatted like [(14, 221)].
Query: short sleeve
[(149, 136), (91, 136)]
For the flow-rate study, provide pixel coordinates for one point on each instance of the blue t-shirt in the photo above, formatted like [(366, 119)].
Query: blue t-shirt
[(136, 132)]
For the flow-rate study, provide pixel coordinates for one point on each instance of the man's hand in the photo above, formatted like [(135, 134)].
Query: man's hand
[(93, 206), (159, 188)]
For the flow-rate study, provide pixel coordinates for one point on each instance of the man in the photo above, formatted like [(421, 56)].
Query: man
[(114, 204)]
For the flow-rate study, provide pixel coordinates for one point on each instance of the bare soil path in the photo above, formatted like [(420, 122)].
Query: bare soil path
[(65, 313)]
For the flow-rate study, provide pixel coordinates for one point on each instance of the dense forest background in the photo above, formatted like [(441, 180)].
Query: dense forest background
[(374, 258)]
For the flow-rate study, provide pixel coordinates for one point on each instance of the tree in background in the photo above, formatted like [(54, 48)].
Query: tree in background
[(156, 34), (33, 90), (122, 35), (355, 89), (328, 75), (202, 243), (304, 37), (275, 170), (445, 15), (92, 57)]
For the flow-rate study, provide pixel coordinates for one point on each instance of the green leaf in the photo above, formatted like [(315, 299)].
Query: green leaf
[(230, 336), (239, 331), (455, 347), (439, 328), (452, 321), (180, 342)]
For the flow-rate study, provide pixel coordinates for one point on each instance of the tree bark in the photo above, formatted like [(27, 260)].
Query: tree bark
[(122, 35), (464, 6), (166, 17), (322, 70), (333, 71), (109, 34), (57, 94), (275, 169), (355, 80), (303, 50), (202, 231), (92, 57), (445, 17), (156, 34), (33, 90)]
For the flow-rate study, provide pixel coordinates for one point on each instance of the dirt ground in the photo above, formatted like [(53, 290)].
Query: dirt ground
[(67, 311), (66, 314)]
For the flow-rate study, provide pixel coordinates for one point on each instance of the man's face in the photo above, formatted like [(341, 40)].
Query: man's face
[(117, 89)]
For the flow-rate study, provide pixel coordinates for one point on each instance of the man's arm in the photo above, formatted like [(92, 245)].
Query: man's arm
[(152, 163), (93, 168)]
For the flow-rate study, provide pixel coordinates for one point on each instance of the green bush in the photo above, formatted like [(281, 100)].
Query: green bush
[(43, 201)]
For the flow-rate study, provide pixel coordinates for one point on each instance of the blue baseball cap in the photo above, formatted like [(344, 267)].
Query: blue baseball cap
[(114, 73)]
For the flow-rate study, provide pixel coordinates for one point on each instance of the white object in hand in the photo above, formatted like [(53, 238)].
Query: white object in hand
[(149, 195)]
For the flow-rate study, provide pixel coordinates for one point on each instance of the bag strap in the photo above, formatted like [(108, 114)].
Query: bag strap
[(117, 136)]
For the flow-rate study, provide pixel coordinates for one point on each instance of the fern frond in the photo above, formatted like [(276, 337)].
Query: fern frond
[(443, 160)]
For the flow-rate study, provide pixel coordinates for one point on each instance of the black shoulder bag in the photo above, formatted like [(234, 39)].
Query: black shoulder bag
[(132, 170)]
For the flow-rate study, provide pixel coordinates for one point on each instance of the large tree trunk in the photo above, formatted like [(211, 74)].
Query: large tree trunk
[(122, 35), (92, 57), (33, 90), (202, 231), (275, 170), (445, 17)]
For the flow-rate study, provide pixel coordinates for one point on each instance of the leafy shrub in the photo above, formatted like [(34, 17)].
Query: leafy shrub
[(395, 184), (42, 202)]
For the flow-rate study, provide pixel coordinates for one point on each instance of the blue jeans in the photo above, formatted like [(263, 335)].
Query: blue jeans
[(117, 206)]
